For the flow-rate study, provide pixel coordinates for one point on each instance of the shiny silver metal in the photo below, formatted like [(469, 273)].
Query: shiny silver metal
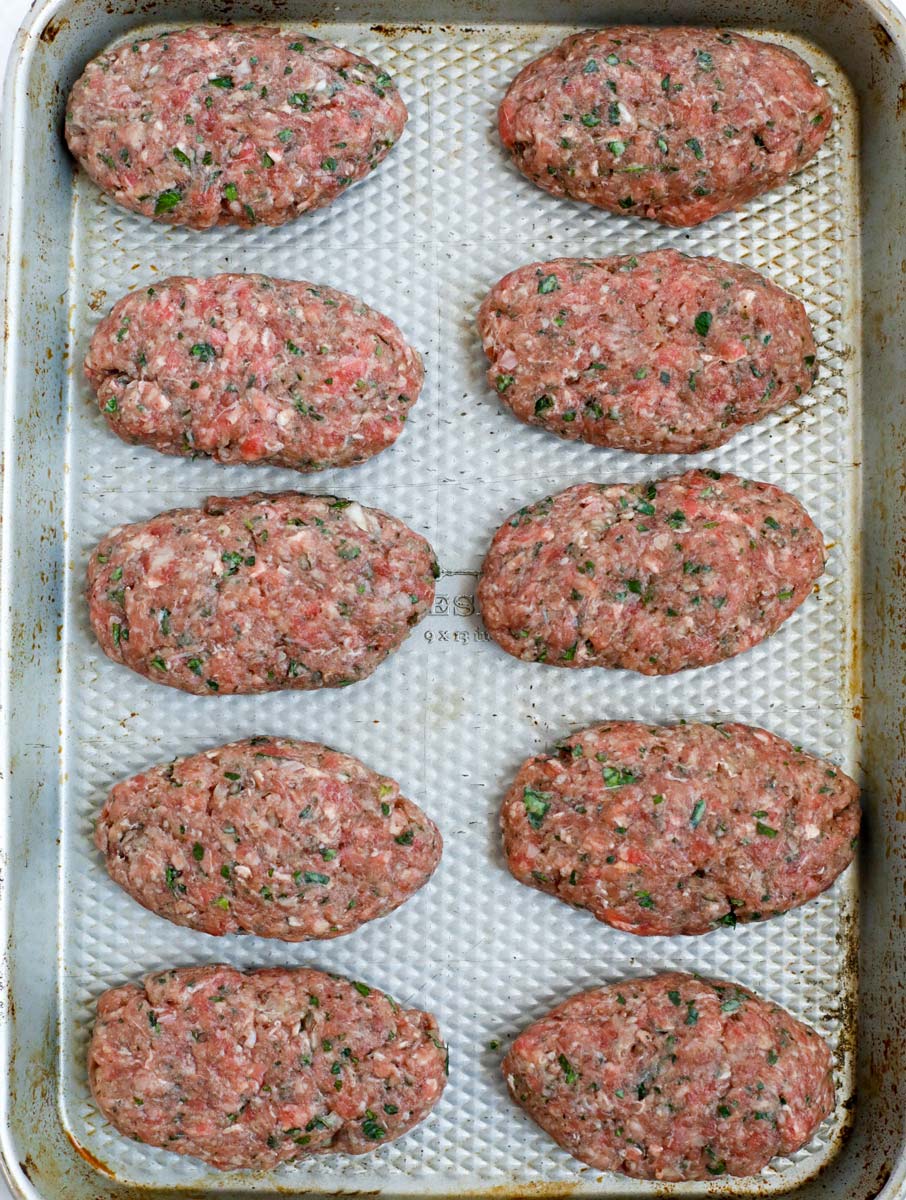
[(450, 716)]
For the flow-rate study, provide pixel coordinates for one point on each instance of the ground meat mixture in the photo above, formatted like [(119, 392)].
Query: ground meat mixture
[(672, 1077), (269, 836), (657, 353), (257, 1069), (230, 124), (678, 829), (248, 369), (676, 124), (260, 592), (652, 577)]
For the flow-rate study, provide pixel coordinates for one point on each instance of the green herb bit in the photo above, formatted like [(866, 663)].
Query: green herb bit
[(537, 805), (572, 1075), (167, 201), (617, 777)]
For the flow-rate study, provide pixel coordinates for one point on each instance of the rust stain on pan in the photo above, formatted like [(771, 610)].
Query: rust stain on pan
[(89, 1157), (883, 38), (28, 1168), (524, 1191), (390, 31), (52, 28)]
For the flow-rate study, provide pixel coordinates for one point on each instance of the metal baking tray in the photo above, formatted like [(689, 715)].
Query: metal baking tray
[(450, 715)]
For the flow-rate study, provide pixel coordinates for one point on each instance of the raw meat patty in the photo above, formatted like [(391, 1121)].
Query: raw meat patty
[(659, 352), (257, 1069), (672, 1077), (248, 369), (260, 592), (651, 577), (676, 124), (675, 829), (269, 836), (230, 125)]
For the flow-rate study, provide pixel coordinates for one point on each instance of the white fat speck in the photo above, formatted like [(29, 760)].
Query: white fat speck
[(284, 417), (320, 86), (252, 1038), (242, 871), (626, 114), (160, 559), (361, 519), (811, 832)]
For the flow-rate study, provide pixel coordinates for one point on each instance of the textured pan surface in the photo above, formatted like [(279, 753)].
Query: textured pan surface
[(450, 716)]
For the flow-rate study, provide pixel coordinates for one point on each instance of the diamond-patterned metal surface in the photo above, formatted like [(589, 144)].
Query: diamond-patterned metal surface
[(451, 716)]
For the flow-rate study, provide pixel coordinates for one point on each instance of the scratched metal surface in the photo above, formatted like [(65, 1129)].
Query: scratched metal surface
[(451, 716)]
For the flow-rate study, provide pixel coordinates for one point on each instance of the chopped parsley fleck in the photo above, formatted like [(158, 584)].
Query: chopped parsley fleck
[(703, 324), (616, 777), (536, 806), (371, 1128), (167, 201), (695, 146), (572, 1075)]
